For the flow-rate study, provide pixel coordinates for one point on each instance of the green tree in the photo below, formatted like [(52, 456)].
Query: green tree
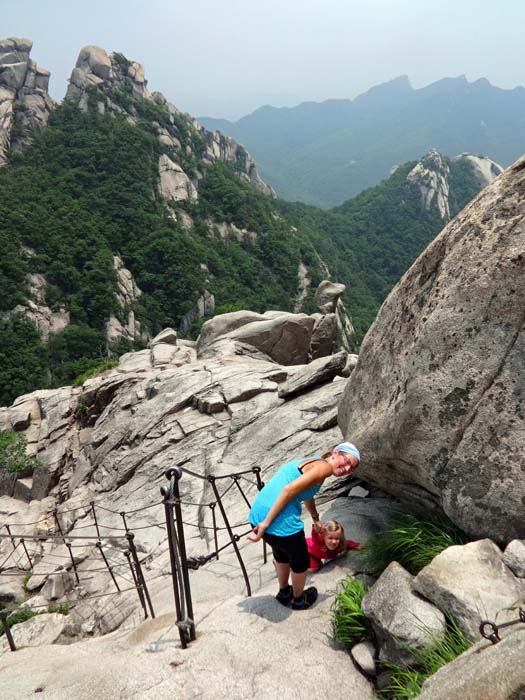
[(23, 358)]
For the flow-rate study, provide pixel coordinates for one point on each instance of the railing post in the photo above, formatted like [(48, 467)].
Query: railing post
[(233, 538), (137, 586), (138, 569), (168, 512), (92, 504), (99, 547), (4, 614), (176, 475)]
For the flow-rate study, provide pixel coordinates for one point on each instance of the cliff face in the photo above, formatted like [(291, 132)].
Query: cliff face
[(25, 104)]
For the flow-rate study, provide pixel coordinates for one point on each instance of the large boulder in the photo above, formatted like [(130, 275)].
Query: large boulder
[(281, 336), (437, 401), (472, 584), (401, 619)]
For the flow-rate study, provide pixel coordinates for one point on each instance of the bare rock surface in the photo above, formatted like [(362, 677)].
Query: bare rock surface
[(436, 400), (234, 657), (37, 631), (103, 449), (472, 583)]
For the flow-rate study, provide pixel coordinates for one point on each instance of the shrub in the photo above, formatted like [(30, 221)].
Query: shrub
[(412, 542), (98, 369), (406, 682), (17, 617), (62, 608), (13, 456), (349, 623)]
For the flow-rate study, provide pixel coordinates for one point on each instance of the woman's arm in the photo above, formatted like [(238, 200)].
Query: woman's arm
[(315, 476), (312, 509)]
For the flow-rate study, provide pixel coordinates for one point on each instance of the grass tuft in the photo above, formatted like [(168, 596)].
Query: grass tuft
[(349, 624), (406, 682), (412, 542)]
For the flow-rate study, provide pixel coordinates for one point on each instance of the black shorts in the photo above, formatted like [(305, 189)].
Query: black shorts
[(291, 549)]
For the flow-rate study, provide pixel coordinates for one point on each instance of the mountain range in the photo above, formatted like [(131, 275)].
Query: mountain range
[(324, 153), (120, 216)]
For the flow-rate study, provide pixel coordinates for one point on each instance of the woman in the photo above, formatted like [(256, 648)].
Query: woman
[(276, 517)]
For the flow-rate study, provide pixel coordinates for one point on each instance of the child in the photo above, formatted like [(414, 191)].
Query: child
[(326, 542)]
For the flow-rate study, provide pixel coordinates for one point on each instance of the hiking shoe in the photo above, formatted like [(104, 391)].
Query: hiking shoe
[(285, 596), (306, 600)]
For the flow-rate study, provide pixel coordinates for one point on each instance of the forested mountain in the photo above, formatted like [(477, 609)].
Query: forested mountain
[(123, 216), (324, 153)]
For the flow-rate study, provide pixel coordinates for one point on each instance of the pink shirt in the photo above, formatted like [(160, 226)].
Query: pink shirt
[(318, 550)]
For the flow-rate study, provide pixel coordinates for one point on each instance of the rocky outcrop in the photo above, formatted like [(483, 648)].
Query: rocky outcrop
[(95, 69), (430, 175), (226, 150), (203, 307), (484, 169), (25, 104), (328, 299), (174, 183), (46, 319), (115, 84), (127, 326), (436, 402)]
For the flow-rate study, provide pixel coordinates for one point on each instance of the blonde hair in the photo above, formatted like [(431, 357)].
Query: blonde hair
[(335, 528)]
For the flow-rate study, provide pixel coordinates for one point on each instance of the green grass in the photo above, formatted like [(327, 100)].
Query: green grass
[(24, 614), (406, 682), (349, 624), (62, 608), (102, 367), (17, 617), (412, 542)]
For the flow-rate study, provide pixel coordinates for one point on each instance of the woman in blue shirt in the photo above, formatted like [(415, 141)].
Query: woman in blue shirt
[(276, 517)]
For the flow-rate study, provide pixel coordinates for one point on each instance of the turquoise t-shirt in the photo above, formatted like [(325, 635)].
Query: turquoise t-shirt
[(288, 522)]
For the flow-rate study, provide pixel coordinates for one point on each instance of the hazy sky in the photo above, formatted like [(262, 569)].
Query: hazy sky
[(225, 58)]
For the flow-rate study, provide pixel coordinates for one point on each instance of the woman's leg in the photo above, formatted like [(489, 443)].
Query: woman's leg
[(298, 582), (283, 574)]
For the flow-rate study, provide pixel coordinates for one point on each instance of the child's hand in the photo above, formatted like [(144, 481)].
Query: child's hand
[(319, 527)]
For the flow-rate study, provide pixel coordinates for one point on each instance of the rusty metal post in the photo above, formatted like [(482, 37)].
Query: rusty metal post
[(214, 522), (168, 512), (139, 589), (92, 504), (140, 577), (99, 547), (12, 538), (233, 538), (4, 614), (175, 476), (26, 552), (73, 563), (55, 515)]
